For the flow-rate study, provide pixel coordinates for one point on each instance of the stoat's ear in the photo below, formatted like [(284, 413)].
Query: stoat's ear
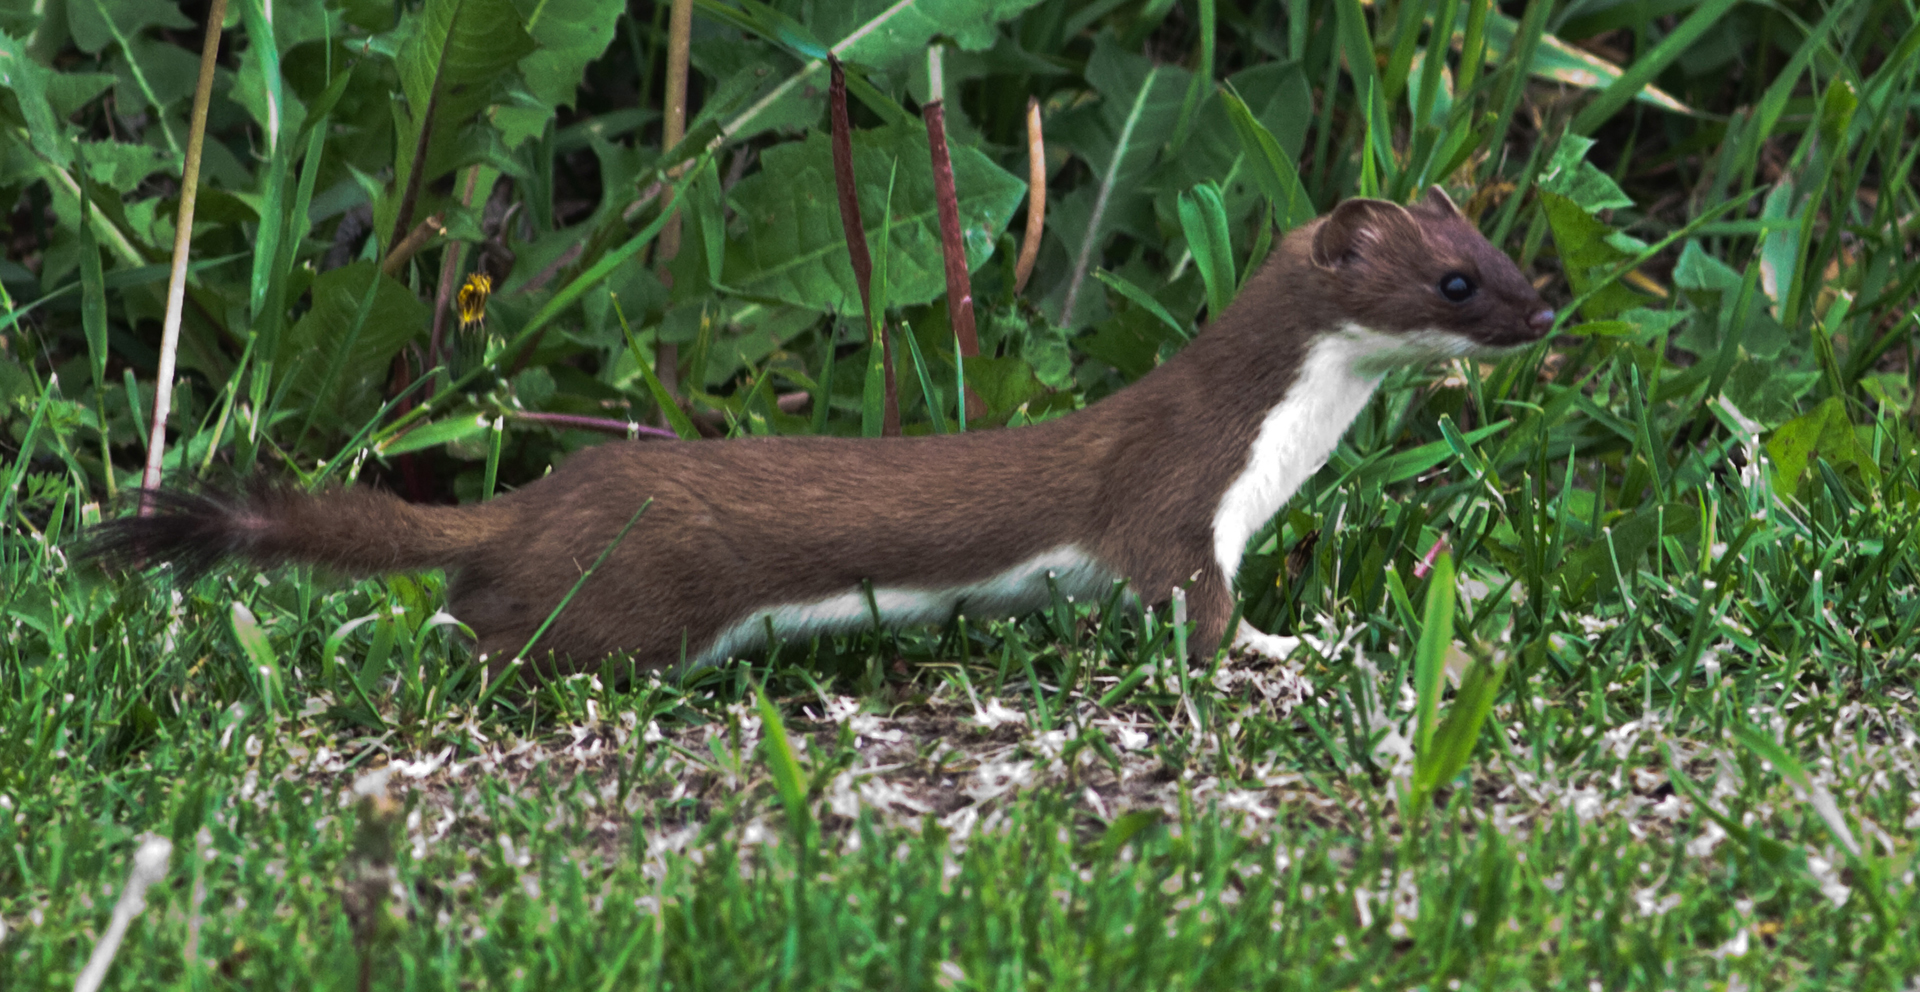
[(1345, 235), (1438, 199)]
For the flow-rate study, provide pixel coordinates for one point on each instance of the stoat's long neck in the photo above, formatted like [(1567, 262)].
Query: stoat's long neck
[(1334, 379)]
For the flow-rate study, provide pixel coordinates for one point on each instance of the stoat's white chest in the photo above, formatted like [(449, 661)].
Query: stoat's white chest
[(1297, 436)]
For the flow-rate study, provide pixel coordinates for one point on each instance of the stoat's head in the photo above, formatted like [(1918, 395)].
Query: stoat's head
[(1423, 274)]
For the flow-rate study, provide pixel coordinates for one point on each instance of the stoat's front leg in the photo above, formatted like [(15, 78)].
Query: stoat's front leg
[(1249, 638)]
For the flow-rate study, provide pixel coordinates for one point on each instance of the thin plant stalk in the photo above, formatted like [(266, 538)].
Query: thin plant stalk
[(853, 227), (1036, 197), (673, 128), (182, 245), (952, 243)]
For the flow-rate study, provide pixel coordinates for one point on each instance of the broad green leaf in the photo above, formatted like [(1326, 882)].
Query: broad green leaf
[(1765, 391), (1002, 383), (1119, 138), (121, 166), (1572, 176), (571, 34), (98, 23), (1698, 270), (1822, 432), (29, 81), (455, 54), (1588, 258), (1589, 573), (149, 72), (791, 247), (882, 35), (314, 344), (70, 91), (1279, 98)]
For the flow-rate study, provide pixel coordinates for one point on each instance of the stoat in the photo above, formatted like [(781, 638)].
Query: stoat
[(1160, 485)]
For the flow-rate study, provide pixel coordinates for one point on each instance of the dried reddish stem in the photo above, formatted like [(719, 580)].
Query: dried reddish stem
[(855, 230), (953, 247), (1425, 564), (850, 221), (1036, 197)]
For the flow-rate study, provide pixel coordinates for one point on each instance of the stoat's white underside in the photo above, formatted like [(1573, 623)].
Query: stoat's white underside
[(1018, 590), (1339, 374)]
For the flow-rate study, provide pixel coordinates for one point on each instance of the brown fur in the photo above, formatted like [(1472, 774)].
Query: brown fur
[(742, 525)]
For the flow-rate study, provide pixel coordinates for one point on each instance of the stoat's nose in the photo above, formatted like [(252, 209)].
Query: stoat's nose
[(1541, 321)]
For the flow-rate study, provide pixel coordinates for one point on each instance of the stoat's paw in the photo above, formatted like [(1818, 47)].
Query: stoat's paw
[(1252, 641)]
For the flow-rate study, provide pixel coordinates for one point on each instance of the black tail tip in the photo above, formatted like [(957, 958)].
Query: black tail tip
[(188, 530)]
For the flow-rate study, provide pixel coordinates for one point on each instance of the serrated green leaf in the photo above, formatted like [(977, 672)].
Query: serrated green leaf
[(1569, 174), (1120, 139), (456, 53), (320, 342), (29, 82), (1588, 258), (1822, 432), (882, 35), (791, 247), (118, 165), (571, 34), (98, 23)]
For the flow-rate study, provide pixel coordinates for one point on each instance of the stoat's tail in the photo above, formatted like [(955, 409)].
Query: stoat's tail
[(357, 529)]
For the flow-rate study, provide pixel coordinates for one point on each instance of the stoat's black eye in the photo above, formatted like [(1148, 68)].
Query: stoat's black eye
[(1457, 287)]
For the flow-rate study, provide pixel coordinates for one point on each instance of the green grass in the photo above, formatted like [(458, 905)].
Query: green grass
[(1684, 537)]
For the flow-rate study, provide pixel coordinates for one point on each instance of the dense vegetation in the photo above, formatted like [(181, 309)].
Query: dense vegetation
[(1677, 748)]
